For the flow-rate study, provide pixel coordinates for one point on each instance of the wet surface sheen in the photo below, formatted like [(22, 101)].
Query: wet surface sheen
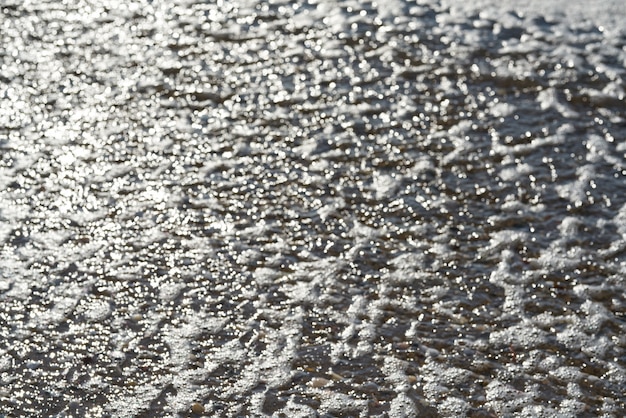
[(330, 208)]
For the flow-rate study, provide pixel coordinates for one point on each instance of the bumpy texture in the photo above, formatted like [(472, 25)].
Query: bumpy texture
[(322, 208)]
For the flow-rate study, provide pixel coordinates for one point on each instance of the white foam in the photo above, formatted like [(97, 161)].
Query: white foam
[(402, 406), (524, 335), (504, 399), (605, 13), (385, 185), (548, 99)]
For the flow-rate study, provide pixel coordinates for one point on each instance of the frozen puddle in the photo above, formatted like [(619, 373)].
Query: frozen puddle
[(330, 208)]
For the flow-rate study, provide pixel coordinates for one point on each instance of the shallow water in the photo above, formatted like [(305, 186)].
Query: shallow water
[(330, 208)]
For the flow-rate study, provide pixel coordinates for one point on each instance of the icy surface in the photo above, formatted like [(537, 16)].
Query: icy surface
[(312, 208)]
